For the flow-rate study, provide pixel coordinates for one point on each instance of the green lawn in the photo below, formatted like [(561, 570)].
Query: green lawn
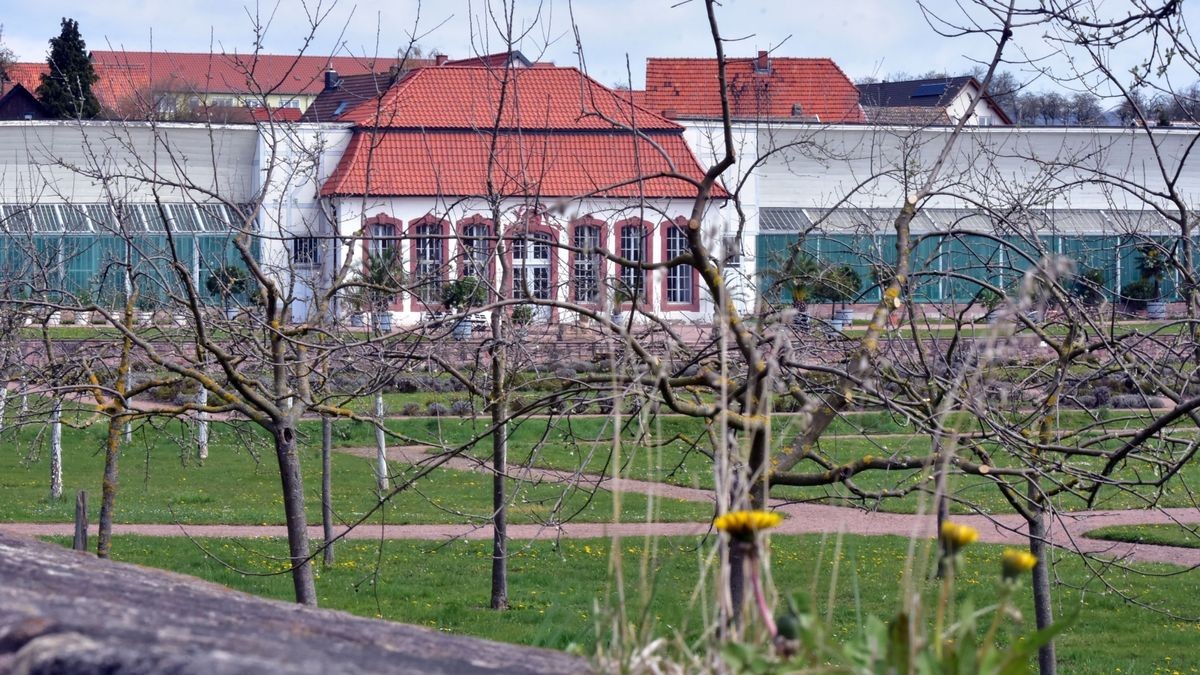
[(1162, 535), (162, 481), (553, 587), (670, 451)]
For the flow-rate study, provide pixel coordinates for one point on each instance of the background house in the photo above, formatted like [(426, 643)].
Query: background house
[(943, 100), (17, 103), (137, 85)]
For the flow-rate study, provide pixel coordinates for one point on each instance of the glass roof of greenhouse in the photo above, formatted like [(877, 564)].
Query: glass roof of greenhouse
[(1044, 221), (100, 218)]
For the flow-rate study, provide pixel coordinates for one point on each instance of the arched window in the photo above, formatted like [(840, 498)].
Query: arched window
[(429, 257), (585, 271), (476, 248), (633, 248), (680, 285)]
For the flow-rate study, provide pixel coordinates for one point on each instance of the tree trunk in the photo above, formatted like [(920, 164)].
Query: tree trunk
[(499, 476), (1043, 611), (293, 506), (3, 404), (327, 486), (499, 395), (56, 479), (381, 467), (128, 420), (108, 487), (202, 425)]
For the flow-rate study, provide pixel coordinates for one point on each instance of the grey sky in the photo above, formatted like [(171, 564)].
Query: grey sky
[(865, 37)]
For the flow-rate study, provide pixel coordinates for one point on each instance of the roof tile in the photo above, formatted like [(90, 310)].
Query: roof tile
[(790, 88), (455, 162), (452, 97)]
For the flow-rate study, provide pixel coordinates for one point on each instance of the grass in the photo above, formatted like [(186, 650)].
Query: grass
[(554, 587), (1161, 535), (162, 482), (669, 452)]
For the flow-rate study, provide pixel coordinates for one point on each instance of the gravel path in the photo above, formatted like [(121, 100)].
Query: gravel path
[(1067, 532)]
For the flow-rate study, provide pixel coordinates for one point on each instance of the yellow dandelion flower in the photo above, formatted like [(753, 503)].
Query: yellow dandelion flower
[(1015, 562), (742, 525), (955, 536)]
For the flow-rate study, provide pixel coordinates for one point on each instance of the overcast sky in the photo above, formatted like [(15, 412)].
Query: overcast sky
[(865, 37)]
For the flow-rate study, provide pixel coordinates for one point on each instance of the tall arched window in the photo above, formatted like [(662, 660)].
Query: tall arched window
[(476, 248), (680, 286), (633, 248), (585, 272), (429, 257)]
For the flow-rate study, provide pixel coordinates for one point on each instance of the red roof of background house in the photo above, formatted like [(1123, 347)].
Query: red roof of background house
[(453, 97), (689, 88), (118, 87), (445, 163), (129, 78), (430, 135)]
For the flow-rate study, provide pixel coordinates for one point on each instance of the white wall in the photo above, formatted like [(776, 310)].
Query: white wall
[(52, 161), (995, 166), (293, 161)]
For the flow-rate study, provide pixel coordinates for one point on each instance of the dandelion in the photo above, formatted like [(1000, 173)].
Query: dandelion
[(955, 536), (742, 525), (1015, 562)]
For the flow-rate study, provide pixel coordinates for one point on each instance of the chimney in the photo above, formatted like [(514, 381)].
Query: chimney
[(669, 113), (762, 65), (440, 59), (331, 79)]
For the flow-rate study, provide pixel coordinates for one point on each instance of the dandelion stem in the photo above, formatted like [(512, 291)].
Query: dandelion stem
[(943, 599), (759, 598), (1001, 608)]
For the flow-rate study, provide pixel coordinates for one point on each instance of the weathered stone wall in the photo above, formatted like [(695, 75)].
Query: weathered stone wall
[(68, 612)]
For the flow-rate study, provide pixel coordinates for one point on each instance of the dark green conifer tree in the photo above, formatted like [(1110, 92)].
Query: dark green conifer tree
[(66, 90)]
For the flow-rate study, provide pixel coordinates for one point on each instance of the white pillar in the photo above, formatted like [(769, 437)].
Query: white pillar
[(56, 481), (381, 467), (202, 424)]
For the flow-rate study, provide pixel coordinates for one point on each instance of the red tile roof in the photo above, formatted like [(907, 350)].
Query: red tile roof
[(689, 88), (452, 97), (118, 88), (454, 163), (230, 73), (433, 139), (131, 79)]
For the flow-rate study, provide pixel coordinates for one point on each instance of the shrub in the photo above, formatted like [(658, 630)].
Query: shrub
[(436, 410), (1128, 401), (462, 408), (1102, 394), (565, 373), (1089, 286), (1136, 293), (410, 410)]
